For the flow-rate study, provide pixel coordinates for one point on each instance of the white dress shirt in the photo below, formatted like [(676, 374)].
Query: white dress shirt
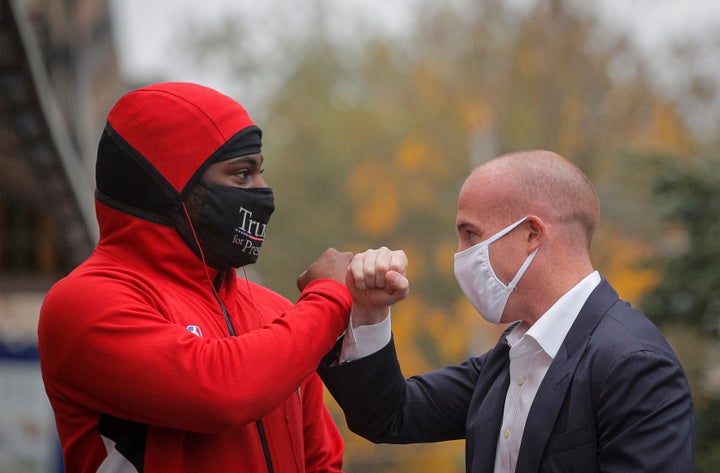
[(364, 340), (532, 350)]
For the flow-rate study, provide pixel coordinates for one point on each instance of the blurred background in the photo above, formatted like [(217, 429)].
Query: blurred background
[(373, 114)]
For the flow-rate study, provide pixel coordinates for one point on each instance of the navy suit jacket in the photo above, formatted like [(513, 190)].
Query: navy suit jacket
[(615, 399)]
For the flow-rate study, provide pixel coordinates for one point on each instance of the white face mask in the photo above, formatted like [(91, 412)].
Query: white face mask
[(478, 281)]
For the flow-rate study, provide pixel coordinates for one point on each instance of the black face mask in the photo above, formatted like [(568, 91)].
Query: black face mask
[(231, 225)]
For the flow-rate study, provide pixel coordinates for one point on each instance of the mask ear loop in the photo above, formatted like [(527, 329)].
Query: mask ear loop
[(207, 274), (200, 250), (252, 296), (298, 392)]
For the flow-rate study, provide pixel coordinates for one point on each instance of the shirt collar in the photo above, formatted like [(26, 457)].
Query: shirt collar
[(551, 328)]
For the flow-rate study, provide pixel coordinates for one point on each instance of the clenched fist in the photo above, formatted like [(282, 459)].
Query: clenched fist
[(332, 264), (376, 280)]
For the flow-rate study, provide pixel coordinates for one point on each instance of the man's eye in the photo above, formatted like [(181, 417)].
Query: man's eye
[(471, 237)]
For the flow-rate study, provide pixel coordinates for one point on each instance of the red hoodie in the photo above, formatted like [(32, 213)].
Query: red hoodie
[(143, 376)]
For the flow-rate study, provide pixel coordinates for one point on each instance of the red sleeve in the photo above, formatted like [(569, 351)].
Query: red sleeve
[(324, 446), (111, 350)]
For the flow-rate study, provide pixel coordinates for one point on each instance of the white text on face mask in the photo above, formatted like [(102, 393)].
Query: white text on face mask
[(247, 245), (248, 226)]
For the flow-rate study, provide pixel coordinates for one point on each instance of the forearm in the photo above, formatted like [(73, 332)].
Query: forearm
[(136, 365), (364, 340), (369, 390)]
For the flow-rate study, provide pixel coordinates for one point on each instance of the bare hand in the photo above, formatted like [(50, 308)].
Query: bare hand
[(332, 264), (376, 280)]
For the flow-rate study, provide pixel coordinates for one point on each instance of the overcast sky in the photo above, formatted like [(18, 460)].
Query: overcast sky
[(145, 30)]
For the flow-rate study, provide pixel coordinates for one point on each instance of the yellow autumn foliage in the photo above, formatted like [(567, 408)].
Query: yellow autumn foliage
[(374, 194), (664, 132), (624, 262), (570, 137), (444, 259), (412, 155)]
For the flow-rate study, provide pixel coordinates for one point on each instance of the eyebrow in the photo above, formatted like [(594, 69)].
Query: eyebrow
[(462, 226), (468, 226)]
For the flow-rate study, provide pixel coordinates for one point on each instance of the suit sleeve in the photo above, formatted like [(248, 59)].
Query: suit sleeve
[(382, 406), (645, 416)]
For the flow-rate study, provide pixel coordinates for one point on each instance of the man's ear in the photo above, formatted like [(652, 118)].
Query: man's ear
[(536, 232)]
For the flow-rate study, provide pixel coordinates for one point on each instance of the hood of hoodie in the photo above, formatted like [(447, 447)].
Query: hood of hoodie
[(156, 144)]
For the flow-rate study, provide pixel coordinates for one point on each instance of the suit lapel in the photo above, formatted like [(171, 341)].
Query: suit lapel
[(486, 409), (551, 394)]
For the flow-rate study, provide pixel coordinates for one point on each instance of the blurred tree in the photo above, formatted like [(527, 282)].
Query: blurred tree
[(367, 143), (689, 292), (686, 302)]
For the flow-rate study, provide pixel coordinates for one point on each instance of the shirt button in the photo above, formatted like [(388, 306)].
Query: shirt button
[(506, 433), (520, 381)]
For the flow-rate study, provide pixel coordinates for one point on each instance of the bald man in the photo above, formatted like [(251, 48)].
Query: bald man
[(578, 382)]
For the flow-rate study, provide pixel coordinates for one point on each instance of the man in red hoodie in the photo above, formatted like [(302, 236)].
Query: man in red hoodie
[(156, 357)]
